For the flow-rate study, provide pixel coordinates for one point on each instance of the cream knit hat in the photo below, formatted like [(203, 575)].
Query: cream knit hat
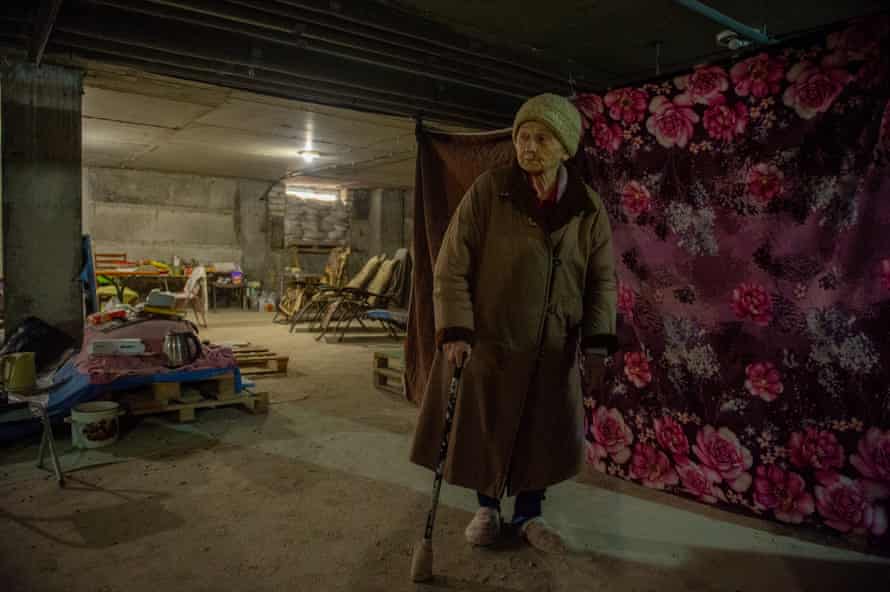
[(555, 112)]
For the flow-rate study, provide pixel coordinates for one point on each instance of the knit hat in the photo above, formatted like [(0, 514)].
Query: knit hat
[(558, 114)]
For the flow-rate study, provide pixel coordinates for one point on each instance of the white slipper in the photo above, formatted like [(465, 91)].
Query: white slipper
[(484, 528), (543, 537)]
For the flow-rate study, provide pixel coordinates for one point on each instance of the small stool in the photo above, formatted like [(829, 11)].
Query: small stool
[(21, 408)]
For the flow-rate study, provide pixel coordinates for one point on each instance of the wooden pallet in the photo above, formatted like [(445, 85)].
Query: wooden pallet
[(259, 362), (388, 371), (184, 397), (249, 350), (220, 387), (255, 403)]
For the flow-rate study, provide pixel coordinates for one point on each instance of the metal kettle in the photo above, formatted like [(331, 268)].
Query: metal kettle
[(178, 348)]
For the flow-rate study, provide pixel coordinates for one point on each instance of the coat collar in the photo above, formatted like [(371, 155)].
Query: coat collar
[(574, 202)]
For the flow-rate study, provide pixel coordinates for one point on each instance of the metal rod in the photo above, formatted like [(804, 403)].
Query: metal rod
[(424, 40), (728, 22), (43, 27), (75, 38), (211, 8), (427, 70), (357, 28), (347, 88), (275, 59), (161, 12), (192, 69)]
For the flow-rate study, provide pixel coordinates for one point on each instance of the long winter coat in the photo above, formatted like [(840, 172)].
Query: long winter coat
[(524, 288)]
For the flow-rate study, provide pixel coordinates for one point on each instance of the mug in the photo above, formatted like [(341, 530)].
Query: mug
[(18, 372)]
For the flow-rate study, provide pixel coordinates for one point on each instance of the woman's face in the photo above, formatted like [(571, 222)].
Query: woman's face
[(537, 149)]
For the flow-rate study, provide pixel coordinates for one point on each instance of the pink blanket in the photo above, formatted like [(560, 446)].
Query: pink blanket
[(106, 369)]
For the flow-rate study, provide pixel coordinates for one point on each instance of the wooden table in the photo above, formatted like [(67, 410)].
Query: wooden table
[(242, 293), (120, 278)]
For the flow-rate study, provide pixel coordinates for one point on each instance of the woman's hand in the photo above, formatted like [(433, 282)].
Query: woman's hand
[(457, 352), (593, 373)]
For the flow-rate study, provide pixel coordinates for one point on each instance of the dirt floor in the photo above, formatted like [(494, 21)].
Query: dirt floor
[(318, 495)]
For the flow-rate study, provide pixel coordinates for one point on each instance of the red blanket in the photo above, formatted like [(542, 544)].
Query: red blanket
[(106, 369)]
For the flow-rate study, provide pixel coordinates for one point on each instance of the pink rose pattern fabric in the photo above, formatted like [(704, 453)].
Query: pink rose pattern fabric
[(721, 451), (706, 85), (591, 107), (671, 437), (700, 482), (752, 302), (636, 369), (815, 449), (764, 381), (759, 77), (784, 493), (611, 436), (627, 298), (750, 203), (635, 199), (885, 274), (672, 122), (815, 87), (724, 123), (608, 136), (652, 467), (765, 182), (845, 506), (627, 104), (872, 460)]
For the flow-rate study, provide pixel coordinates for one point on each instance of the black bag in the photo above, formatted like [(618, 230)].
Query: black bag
[(47, 342)]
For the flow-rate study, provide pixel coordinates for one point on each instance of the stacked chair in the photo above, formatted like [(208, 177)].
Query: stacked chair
[(314, 310), (394, 319), (382, 301), (300, 292)]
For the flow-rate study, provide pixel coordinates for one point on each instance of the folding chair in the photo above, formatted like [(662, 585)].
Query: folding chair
[(353, 305), (317, 305)]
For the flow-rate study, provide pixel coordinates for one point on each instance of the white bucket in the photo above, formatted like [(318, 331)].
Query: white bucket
[(95, 424)]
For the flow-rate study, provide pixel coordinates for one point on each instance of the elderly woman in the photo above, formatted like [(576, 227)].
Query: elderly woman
[(524, 276)]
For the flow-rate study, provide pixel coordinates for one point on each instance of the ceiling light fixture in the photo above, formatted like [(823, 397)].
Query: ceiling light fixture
[(309, 155)]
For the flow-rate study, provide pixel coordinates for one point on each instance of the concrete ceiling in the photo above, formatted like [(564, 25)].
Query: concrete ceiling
[(137, 120), (458, 62), (610, 42)]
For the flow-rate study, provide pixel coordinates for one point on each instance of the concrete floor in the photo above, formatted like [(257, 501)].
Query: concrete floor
[(318, 495)]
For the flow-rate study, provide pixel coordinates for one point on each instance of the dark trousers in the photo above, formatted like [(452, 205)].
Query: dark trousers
[(528, 504)]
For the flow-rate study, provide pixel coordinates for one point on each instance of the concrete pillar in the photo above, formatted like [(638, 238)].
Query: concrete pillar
[(250, 226), (387, 221), (359, 230), (41, 138)]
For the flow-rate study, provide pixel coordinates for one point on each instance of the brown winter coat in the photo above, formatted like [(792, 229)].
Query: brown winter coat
[(524, 289)]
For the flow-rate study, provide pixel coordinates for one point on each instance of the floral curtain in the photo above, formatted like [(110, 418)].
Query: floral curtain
[(750, 204)]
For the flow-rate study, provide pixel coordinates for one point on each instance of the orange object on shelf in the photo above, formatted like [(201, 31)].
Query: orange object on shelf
[(99, 318)]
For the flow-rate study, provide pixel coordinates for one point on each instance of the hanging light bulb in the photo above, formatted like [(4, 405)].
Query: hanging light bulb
[(309, 155)]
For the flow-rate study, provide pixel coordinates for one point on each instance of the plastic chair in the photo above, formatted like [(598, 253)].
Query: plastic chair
[(193, 295)]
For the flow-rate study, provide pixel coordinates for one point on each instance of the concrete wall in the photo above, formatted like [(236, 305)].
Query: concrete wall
[(147, 214)]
